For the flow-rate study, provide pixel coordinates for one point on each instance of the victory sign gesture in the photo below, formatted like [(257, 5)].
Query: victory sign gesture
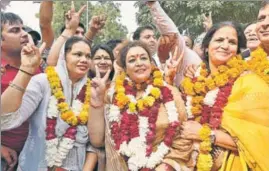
[(98, 88)]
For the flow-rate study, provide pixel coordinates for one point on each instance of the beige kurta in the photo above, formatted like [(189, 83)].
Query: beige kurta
[(179, 155)]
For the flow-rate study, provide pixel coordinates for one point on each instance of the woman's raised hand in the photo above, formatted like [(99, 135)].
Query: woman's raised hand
[(72, 17), (98, 88)]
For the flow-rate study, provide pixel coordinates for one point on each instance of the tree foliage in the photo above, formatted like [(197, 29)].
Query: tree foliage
[(187, 15), (113, 28)]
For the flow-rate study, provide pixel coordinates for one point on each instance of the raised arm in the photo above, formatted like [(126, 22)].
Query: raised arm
[(96, 122), (16, 103), (162, 21), (95, 25), (45, 20), (71, 23)]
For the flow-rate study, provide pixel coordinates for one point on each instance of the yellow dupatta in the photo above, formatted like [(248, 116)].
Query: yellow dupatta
[(246, 118)]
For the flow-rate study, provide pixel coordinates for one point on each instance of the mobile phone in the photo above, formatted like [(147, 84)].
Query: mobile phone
[(246, 53)]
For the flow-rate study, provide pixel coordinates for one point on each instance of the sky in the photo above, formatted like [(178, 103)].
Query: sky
[(27, 10)]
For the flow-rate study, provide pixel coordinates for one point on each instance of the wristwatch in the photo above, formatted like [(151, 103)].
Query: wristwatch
[(212, 137)]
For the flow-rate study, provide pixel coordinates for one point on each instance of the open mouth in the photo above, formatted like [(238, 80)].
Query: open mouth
[(103, 67), (140, 71)]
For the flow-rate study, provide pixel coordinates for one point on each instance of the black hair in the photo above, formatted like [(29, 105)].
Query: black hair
[(264, 3), (79, 25), (71, 41), (113, 43), (240, 36), (106, 48), (128, 46), (248, 24), (139, 30), (10, 18)]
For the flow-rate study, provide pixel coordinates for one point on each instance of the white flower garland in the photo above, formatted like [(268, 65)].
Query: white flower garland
[(210, 97), (189, 106), (136, 148), (58, 148)]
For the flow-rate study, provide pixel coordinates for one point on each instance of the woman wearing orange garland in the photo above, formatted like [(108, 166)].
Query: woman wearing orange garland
[(57, 104), (227, 107), (144, 117)]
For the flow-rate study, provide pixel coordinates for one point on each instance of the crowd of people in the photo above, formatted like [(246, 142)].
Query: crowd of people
[(146, 104)]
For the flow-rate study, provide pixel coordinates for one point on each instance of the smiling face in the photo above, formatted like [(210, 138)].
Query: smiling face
[(102, 60), (78, 60), (251, 36), (222, 46), (138, 64), (262, 27)]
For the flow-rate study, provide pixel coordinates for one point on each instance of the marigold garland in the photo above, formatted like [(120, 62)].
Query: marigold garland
[(259, 63), (67, 114), (196, 89), (205, 161), (133, 122)]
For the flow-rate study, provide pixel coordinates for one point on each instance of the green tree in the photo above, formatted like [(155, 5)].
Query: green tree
[(187, 15), (113, 28)]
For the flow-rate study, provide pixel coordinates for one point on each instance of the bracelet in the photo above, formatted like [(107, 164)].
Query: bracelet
[(21, 70), (16, 87), (90, 40), (26, 72), (212, 137)]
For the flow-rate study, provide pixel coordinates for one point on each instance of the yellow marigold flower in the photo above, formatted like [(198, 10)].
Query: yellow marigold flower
[(222, 68), (233, 72), (72, 121), (203, 71), (196, 110), (155, 92), (86, 107), (221, 80), (197, 99), (205, 162), (63, 106), (158, 82), (59, 95), (199, 87), (120, 96), (119, 82), (66, 115), (140, 104), (201, 78), (205, 146), (157, 74), (120, 89), (83, 116), (205, 132), (132, 107), (266, 71), (149, 101), (198, 118), (210, 84), (49, 68)]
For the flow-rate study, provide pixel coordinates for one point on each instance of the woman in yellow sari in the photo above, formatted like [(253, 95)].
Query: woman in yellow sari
[(227, 107)]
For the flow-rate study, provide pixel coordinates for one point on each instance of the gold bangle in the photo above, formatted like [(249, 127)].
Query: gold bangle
[(16, 87)]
